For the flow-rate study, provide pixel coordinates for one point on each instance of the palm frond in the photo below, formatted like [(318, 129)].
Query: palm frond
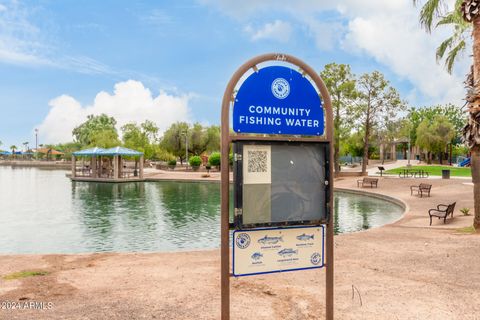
[(431, 10), (443, 47), (452, 55), (453, 17)]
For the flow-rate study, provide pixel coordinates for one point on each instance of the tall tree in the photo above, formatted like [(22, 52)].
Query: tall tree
[(141, 137), (174, 139), (465, 17), (434, 135), (454, 115), (150, 129), (340, 83), (97, 131), (376, 102), (212, 139)]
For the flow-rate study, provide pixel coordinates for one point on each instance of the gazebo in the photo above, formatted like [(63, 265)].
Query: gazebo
[(107, 165)]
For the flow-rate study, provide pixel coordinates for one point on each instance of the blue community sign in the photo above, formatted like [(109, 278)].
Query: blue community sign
[(278, 100)]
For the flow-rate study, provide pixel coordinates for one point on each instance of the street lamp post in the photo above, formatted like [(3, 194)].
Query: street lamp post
[(186, 149), (36, 144), (409, 151)]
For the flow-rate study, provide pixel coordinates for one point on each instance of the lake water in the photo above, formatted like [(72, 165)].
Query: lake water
[(42, 211)]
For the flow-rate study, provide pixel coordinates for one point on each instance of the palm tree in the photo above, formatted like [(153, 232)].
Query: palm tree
[(13, 148), (465, 18)]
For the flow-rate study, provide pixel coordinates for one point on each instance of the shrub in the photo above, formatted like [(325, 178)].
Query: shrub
[(230, 159), (195, 161), (214, 159), (465, 211), (172, 162)]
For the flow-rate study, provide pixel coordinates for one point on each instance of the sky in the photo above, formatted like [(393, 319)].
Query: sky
[(170, 61)]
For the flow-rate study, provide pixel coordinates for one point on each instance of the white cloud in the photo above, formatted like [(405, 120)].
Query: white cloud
[(24, 43), (277, 30), (397, 42), (157, 17), (387, 31), (130, 102), (20, 40)]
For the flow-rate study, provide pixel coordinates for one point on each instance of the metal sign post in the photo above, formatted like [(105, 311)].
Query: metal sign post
[(297, 123)]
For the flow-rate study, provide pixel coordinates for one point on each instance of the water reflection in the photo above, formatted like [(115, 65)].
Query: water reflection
[(354, 212), (188, 202), (147, 216), (44, 212)]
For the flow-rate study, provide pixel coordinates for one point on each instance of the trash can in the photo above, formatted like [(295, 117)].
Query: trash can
[(446, 174)]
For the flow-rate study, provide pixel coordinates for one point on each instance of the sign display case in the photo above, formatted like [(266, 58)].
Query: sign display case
[(280, 183)]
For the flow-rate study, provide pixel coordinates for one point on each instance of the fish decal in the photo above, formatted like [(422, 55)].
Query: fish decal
[(270, 240), (305, 237), (287, 252), (256, 256)]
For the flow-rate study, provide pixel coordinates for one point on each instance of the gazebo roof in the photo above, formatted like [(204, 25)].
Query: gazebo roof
[(89, 152), (115, 151), (120, 151)]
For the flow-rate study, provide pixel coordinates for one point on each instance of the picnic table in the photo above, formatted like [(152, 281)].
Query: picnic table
[(413, 173)]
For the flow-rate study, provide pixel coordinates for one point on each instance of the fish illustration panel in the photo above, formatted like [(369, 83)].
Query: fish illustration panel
[(260, 251)]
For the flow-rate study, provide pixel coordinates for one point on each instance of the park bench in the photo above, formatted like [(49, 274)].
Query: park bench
[(422, 188), (368, 182), (442, 211)]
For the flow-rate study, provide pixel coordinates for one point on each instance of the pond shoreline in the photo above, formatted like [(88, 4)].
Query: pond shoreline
[(392, 267), (59, 165)]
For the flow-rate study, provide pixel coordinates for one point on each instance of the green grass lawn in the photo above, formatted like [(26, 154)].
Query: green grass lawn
[(435, 170)]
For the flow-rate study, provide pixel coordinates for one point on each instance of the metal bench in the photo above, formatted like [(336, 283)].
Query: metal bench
[(442, 211), (372, 182), (422, 188)]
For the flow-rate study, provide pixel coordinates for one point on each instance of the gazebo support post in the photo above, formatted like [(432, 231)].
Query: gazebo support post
[(141, 167), (94, 167), (115, 167), (120, 167), (74, 166)]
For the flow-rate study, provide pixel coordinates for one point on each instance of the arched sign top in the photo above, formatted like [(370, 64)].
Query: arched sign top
[(278, 100)]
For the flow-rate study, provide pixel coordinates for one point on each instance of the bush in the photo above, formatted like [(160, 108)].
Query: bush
[(230, 159), (214, 159), (172, 162), (195, 161)]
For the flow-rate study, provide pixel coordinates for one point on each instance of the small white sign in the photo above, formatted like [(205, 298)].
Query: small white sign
[(260, 251), (257, 164)]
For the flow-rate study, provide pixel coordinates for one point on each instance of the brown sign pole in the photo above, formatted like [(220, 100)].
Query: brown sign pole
[(227, 138)]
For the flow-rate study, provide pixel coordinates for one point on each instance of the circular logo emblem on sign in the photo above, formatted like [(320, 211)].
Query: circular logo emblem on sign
[(280, 88), (243, 240), (315, 258)]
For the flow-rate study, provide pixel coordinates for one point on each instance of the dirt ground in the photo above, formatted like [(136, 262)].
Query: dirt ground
[(406, 270)]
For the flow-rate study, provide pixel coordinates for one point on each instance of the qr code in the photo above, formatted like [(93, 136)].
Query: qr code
[(257, 161)]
